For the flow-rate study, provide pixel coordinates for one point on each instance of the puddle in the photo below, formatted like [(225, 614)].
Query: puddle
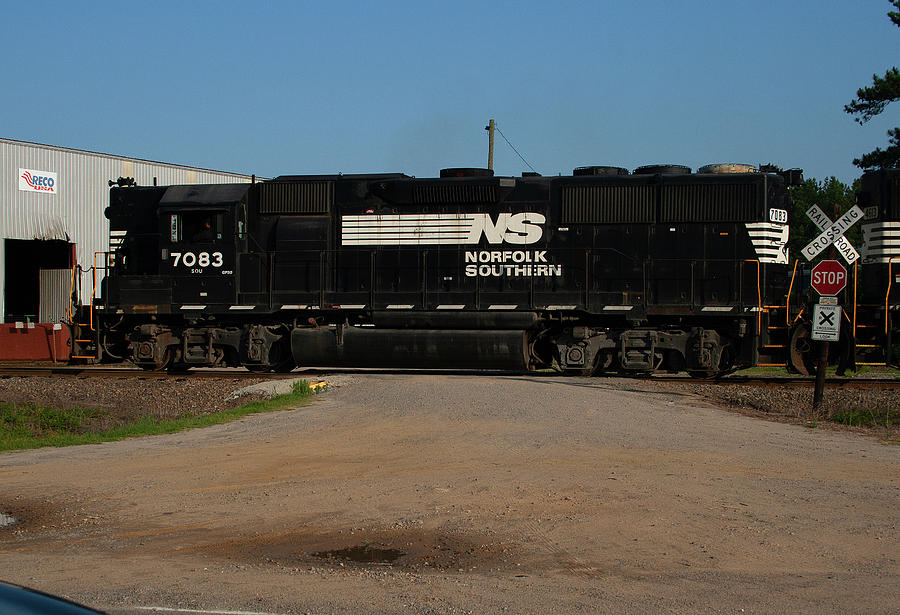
[(26, 514), (407, 549), (362, 554)]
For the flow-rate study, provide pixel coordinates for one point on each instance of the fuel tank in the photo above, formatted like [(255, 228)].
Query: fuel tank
[(350, 346)]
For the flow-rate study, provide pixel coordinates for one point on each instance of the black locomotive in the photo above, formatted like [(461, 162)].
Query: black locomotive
[(603, 270), (876, 279)]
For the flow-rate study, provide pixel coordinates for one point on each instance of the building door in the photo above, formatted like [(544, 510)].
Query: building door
[(23, 262)]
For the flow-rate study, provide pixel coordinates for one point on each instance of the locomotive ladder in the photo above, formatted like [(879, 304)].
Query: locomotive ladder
[(85, 336), (779, 336), (871, 330)]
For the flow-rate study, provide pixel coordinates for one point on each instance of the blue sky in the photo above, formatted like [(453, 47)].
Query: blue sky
[(324, 87)]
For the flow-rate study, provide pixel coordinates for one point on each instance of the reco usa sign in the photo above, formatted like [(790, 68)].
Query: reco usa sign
[(31, 180)]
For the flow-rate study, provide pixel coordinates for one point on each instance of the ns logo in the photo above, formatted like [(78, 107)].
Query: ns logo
[(519, 229)]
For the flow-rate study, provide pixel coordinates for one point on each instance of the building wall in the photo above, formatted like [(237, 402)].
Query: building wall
[(73, 210)]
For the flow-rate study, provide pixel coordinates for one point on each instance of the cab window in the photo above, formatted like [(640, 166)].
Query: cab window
[(195, 226)]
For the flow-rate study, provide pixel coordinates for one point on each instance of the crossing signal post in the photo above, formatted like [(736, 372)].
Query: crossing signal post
[(828, 279)]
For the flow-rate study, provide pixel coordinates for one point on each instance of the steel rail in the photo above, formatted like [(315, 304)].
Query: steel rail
[(786, 381), (131, 372), (238, 373)]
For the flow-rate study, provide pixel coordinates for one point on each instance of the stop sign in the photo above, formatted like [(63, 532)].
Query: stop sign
[(829, 278)]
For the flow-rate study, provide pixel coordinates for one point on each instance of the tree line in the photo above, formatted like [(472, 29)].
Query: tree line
[(870, 101)]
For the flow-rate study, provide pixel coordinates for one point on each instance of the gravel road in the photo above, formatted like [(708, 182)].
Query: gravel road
[(501, 494)]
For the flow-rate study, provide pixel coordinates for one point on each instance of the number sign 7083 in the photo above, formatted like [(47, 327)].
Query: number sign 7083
[(203, 259)]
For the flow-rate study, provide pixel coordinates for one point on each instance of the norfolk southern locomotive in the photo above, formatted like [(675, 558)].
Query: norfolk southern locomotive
[(603, 270), (875, 297)]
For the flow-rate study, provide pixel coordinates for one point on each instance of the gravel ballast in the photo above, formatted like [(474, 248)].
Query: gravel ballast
[(128, 398), (794, 404)]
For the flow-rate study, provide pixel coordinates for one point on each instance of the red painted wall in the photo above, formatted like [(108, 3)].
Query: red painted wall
[(40, 343)]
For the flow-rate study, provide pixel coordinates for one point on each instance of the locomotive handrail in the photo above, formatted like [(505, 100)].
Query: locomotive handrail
[(693, 277), (93, 292), (887, 296), (759, 305), (855, 278), (94, 285), (787, 305), (322, 281), (649, 274), (70, 311), (587, 282)]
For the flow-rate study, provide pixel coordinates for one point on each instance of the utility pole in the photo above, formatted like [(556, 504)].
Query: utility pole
[(490, 128)]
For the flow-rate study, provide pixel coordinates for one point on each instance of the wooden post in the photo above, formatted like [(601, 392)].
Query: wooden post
[(822, 364)]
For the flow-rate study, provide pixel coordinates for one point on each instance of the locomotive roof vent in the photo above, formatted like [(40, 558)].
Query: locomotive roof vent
[(466, 172), (663, 169), (600, 170), (727, 167)]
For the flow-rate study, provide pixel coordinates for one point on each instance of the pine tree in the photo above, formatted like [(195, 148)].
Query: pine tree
[(870, 101)]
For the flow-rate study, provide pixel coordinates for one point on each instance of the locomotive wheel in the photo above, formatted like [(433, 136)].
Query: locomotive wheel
[(703, 374), (165, 364), (602, 362), (801, 356), (285, 368), (280, 354)]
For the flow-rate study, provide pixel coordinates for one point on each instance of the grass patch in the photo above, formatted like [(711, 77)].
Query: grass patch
[(830, 372), (863, 417), (30, 425), (762, 371)]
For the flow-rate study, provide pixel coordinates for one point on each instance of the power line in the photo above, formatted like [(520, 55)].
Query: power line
[(497, 128)]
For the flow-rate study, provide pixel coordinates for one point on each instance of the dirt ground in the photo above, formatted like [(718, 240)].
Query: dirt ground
[(490, 494)]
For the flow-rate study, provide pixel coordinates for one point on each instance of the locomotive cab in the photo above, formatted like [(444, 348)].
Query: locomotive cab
[(198, 255), (175, 254), (202, 229)]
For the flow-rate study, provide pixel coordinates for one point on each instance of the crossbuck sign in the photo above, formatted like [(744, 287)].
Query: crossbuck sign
[(833, 233)]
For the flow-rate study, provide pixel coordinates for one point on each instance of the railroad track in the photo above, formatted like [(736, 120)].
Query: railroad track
[(788, 381), (131, 372), (239, 373)]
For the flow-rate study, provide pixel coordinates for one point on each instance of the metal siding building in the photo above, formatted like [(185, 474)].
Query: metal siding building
[(72, 212)]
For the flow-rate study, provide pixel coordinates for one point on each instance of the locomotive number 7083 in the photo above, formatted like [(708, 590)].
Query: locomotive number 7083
[(202, 259)]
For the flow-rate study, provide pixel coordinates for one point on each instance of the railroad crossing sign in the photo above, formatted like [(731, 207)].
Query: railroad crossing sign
[(828, 278), (822, 221), (833, 233), (826, 322)]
